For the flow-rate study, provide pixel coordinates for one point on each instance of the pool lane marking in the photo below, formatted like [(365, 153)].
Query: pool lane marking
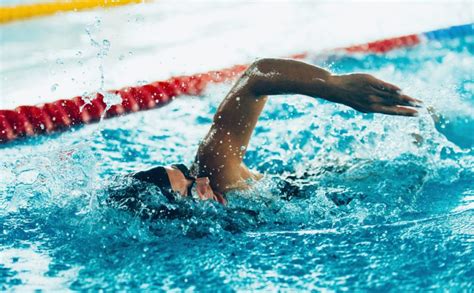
[(385, 45)]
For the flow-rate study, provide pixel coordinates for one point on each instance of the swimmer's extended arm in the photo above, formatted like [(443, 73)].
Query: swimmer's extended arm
[(221, 152)]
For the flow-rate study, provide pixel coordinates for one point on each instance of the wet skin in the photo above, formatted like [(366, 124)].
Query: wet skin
[(220, 155)]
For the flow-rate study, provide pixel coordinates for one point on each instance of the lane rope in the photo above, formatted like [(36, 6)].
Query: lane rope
[(26, 121), (26, 11)]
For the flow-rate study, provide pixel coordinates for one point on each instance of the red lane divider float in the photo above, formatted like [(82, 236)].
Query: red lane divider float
[(27, 121), (386, 45), (63, 114)]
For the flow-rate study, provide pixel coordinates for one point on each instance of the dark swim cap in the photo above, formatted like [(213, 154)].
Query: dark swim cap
[(156, 175), (159, 177), (146, 193)]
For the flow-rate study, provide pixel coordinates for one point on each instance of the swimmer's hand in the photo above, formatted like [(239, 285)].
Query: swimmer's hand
[(367, 94), (205, 192)]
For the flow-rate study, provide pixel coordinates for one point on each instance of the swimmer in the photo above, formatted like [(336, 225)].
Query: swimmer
[(218, 166)]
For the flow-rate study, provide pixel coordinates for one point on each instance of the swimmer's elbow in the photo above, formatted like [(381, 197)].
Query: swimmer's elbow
[(265, 64), (262, 69), (259, 75)]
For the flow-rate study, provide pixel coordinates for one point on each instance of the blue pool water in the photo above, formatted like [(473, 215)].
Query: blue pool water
[(410, 227)]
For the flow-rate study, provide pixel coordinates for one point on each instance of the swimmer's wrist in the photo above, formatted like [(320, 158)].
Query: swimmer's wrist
[(331, 87)]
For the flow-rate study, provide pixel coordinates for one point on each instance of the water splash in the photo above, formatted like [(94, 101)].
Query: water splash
[(409, 182), (103, 48)]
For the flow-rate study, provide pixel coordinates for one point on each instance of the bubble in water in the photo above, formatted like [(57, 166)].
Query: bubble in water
[(54, 87)]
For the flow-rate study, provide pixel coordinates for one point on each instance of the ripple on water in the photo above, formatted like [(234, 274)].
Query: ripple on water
[(409, 224)]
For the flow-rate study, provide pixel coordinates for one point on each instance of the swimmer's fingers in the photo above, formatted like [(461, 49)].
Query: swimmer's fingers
[(395, 110), (216, 197), (396, 99), (207, 196), (388, 100), (219, 198), (393, 93), (409, 101), (385, 86), (212, 196)]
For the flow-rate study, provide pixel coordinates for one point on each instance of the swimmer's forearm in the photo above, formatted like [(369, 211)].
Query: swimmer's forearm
[(283, 76)]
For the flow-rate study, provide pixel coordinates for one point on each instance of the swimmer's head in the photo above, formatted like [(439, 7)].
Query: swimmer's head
[(158, 177), (148, 201), (177, 179)]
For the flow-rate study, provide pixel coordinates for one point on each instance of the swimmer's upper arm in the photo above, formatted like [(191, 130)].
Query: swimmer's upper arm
[(223, 148)]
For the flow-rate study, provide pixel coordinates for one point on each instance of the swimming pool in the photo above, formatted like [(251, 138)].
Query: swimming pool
[(411, 228), (414, 229)]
